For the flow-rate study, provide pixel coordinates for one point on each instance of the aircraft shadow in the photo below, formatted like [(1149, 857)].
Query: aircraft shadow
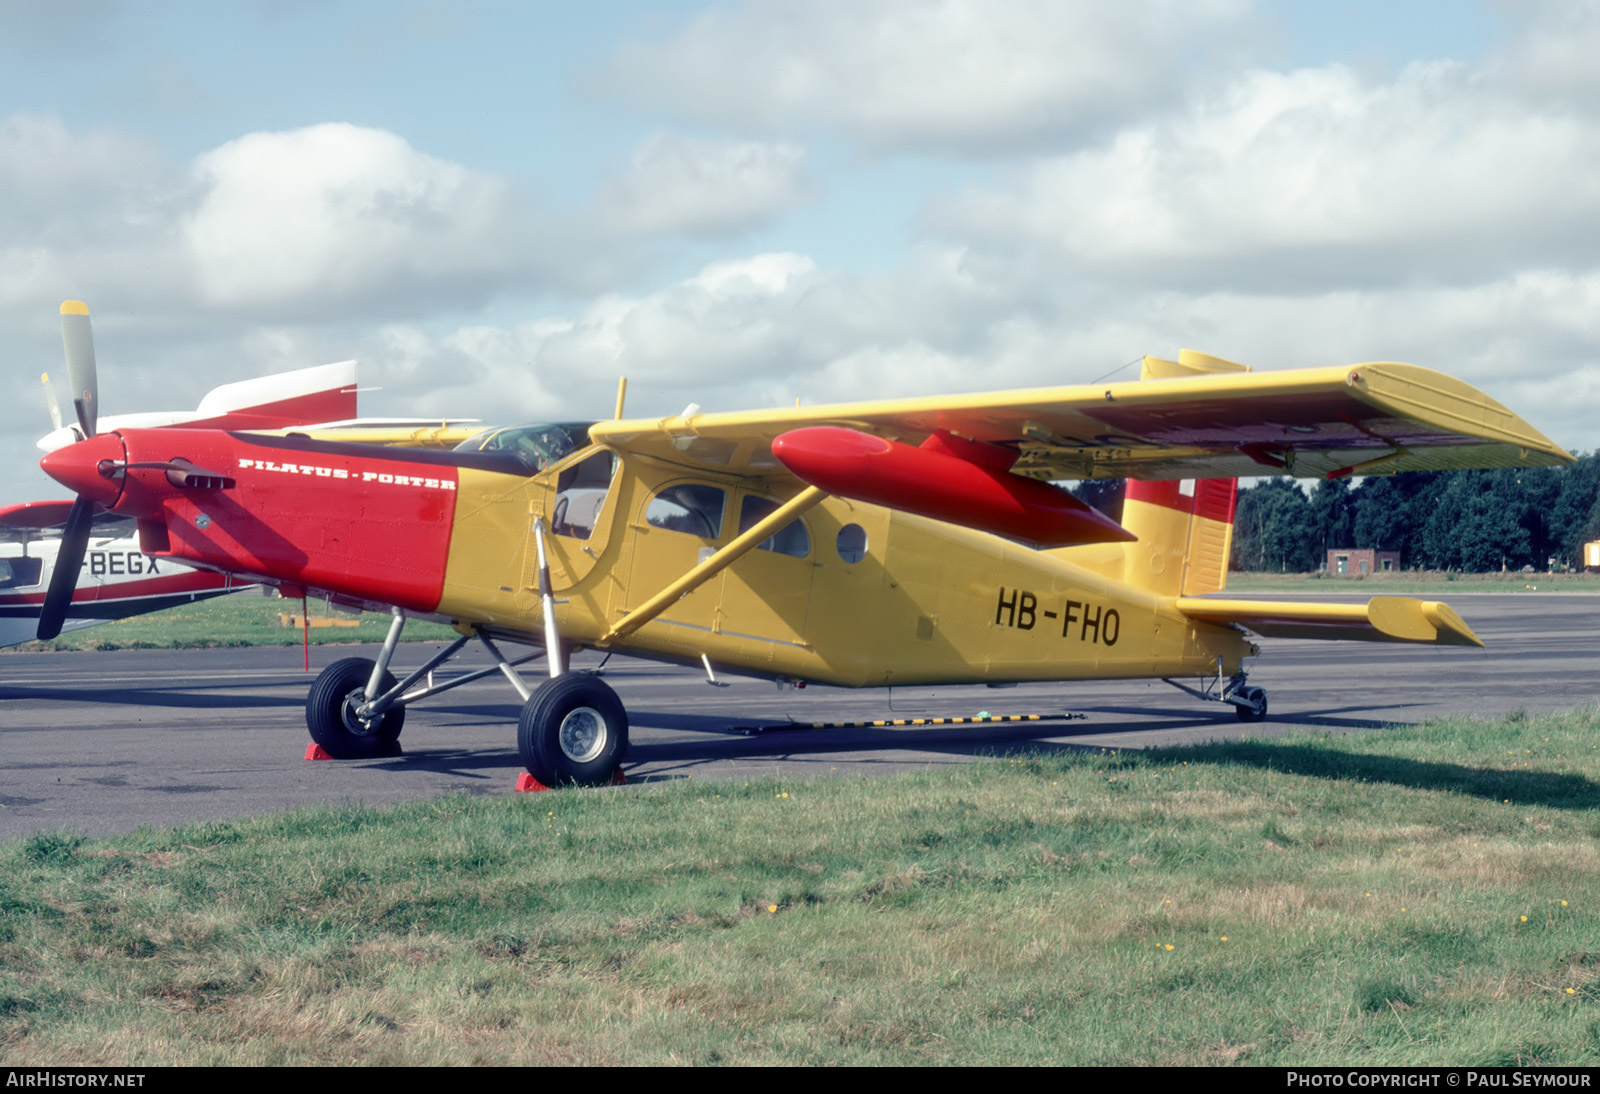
[(1082, 725), (151, 698), (466, 763), (1556, 791), (783, 742)]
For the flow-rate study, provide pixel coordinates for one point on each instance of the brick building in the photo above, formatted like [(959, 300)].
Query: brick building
[(1355, 561)]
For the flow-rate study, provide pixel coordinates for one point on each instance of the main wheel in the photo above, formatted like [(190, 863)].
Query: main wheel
[(331, 712), (573, 730), (1255, 708)]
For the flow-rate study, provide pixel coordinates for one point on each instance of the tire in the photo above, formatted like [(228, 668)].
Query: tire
[(573, 731), (1255, 708), (330, 712)]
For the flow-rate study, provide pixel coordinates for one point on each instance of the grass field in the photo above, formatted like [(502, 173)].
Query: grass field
[(240, 619), (1414, 583), (1428, 895)]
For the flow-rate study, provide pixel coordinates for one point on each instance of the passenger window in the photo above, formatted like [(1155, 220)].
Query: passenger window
[(852, 543), (689, 508), (19, 573), (790, 540), (580, 495)]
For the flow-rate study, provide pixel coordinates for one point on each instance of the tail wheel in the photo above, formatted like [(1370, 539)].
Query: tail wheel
[(1252, 706), (331, 712), (573, 730)]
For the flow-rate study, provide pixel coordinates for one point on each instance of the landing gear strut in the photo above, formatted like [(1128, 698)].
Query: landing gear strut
[(1249, 702), (573, 728)]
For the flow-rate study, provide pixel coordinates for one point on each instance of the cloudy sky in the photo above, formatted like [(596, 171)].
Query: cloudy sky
[(500, 208)]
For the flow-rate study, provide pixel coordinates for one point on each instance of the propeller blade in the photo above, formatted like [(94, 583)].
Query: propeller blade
[(50, 402), (69, 560), (78, 342)]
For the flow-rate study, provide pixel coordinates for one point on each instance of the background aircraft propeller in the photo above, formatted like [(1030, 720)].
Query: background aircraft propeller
[(50, 403)]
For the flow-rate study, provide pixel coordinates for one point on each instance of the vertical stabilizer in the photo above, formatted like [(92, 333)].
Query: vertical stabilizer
[(1185, 532), (1185, 528)]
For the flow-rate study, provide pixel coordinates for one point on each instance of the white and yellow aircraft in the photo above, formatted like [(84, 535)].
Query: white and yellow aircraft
[(910, 541)]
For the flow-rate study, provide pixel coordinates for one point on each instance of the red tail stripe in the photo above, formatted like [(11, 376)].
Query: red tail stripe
[(1213, 498)]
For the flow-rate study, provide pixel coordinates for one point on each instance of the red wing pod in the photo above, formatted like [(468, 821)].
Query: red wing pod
[(949, 479)]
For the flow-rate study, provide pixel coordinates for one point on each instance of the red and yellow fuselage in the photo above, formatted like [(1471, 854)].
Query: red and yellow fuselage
[(449, 535)]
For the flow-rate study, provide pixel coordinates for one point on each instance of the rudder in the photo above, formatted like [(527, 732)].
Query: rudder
[(1185, 532)]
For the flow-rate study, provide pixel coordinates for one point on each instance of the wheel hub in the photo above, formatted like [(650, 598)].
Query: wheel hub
[(583, 734), (353, 721)]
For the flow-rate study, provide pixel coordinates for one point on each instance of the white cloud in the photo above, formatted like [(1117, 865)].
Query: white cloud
[(339, 211), (963, 75), (1314, 178), (1554, 58), (684, 184), (80, 211)]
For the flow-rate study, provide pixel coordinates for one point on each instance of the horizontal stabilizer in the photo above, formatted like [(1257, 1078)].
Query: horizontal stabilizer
[(1381, 619)]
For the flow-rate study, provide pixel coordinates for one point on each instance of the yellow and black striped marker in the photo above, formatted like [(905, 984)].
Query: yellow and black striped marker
[(886, 722)]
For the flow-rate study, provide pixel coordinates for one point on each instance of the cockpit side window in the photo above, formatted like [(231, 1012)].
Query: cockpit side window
[(580, 495), (691, 508), (791, 539), (535, 447)]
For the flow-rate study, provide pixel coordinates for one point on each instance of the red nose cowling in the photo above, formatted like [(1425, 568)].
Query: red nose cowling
[(77, 467)]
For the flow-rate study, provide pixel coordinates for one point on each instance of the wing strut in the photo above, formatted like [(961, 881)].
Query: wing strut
[(714, 565)]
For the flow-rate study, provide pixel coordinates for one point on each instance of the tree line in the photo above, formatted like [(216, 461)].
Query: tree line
[(1470, 521)]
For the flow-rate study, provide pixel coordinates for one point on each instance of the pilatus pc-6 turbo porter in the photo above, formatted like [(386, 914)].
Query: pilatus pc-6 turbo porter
[(909, 541)]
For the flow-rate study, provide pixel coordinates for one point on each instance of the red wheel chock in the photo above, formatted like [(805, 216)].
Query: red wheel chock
[(527, 784)]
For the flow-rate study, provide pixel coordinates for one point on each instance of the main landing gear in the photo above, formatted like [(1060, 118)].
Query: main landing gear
[(1249, 702), (573, 729)]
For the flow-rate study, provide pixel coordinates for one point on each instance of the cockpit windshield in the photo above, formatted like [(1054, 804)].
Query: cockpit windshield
[(536, 446)]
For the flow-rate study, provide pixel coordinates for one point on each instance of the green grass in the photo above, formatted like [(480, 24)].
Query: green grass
[(1426, 895), (240, 619), (1411, 582)]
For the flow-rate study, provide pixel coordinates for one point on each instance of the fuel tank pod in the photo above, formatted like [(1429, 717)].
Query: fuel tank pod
[(948, 478)]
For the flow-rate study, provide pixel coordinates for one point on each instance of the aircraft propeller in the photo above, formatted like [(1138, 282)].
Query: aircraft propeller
[(77, 341), (96, 468)]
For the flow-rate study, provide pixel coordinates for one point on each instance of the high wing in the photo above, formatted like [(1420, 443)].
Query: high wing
[(1186, 420)]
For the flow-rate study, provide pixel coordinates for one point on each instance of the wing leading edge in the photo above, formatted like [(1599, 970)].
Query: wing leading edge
[(1178, 423)]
